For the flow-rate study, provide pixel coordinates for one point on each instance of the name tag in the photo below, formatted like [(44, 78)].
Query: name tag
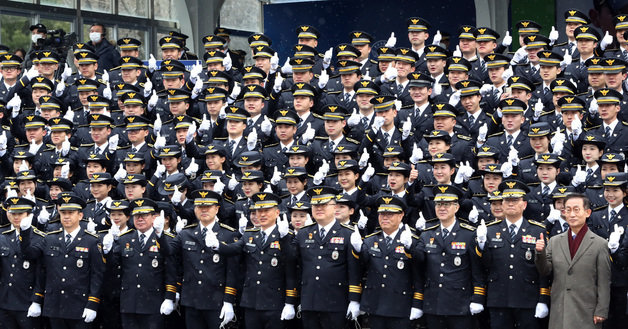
[(459, 245), (191, 243)]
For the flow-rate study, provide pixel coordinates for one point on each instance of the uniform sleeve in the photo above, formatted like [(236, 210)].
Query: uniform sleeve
[(291, 270), (477, 276), (165, 248), (31, 249), (355, 272), (232, 274), (97, 270), (417, 277)]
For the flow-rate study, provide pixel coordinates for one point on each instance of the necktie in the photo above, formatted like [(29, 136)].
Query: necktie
[(570, 48), (347, 97), (365, 123), (231, 145), (142, 242), (388, 241), (607, 132), (509, 140), (284, 149), (589, 173), (483, 66), (445, 233), (613, 215), (322, 235), (294, 199), (565, 227), (399, 89), (299, 124), (249, 122), (264, 237), (386, 136), (513, 231), (203, 233), (545, 90), (545, 191), (98, 206), (471, 121), (68, 240), (570, 136), (133, 149), (331, 146), (533, 70), (97, 150)]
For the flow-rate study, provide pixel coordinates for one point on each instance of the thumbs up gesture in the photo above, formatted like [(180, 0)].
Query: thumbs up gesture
[(613, 239), (437, 38), (282, 225), (356, 240), (420, 223), (580, 176), (362, 221), (553, 36), (406, 236), (354, 118), (540, 243), (392, 41), (481, 232), (507, 40), (274, 180)]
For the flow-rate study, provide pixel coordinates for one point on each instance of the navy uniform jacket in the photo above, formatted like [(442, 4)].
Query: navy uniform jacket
[(521, 143), (269, 269), (376, 144), (148, 274), (21, 280), (73, 275), (208, 279), (403, 96), (330, 269), (453, 275), (617, 141), (463, 126), (538, 206), (392, 285), (421, 123), (513, 281), (599, 222)]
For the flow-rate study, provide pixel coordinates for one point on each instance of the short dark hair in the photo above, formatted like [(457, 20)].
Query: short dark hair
[(104, 29), (585, 200)]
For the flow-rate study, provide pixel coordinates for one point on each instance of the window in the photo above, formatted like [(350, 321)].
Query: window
[(14, 31), (59, 3), (101, 6), (165, 10), (136, 34), (136, 8)]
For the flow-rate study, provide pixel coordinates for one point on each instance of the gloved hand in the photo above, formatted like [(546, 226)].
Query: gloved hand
[(580, 176), (507, 73), (406, 129), (33, 147), (219, 186), (613, 239), (482, 133), (226, 314), (437, 38), (211, 241), (319, 176), (455, 98), (420, 223), (506, 169), (15, 104), (541, 308), (486, 90), (181, 223), (513, 156), (88, 315), (113, 143), (498, 112), (567, 59), (417, 154), (363, 220), (364, 159), (34, 311), (507, 40), (437, 90), (157, 125), (197, 68), (390, 74), (65, 145), (243, 222), (114, 230), (323, 78), (26, 222), (520, 56), (30, 195), (167, 306), (91, 226), (576, 127), (457, 52), (392, 41), (233, 182), (593, 106), (177, 196), (106, 93), (152, 101), (107, 243), (476, 308), (198, 88), (274, 63), (406, 236), (159, 223), (464, 173), (480, 232), (278, 82), (283, 226), (553, 36), (276, 178), (234, 93), (368, 173), (415, 313), (205, 125), (266, 126), (554, 214), (192, 169), (286, 68), (558, 141), (43, 216), (251, 140), (65, 170), (378, 122), (160, 142), (474, 214), (60, 88), (308, 135), (353, 310), (327, 57), (148, 88), (354, 118), (10, 193), (288, 312), (67, 72), (152, 63), (160, 170), (606, 40), (227, 62), (538, 109), (356, 240), (325, 167), (189, 136)]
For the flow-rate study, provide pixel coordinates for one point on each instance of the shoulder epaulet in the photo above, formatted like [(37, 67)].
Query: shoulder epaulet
[(169, 234), (271, 145), (38, 232), (527, 156), (624, 123), (321, 137), (123, 147), (92, 234), (55, 232), (560, 44), (103, 231), (5, 225), (467, 226), (309, 225), (191, 226), (91, 201), (352, 140), (404, 107), (8, 231), (432, 227), (227, 227), (347, 226), (533, 222), (115, 68), (127, 232), (252, 229), (6, 127), (151, 183), (332, 92), (497, 221), (496, 134), (467, 138), (73, 148), (220, 138), (87, 145), (318, 116), (374, 233)]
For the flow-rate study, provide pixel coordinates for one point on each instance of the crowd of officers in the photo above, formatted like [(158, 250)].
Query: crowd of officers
[(402, 189)]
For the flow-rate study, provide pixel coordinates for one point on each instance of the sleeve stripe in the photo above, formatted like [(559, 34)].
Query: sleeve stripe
[(477, 251), (418, 295)]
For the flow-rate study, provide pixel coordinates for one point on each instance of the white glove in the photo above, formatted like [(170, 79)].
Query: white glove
[(67, 72), (567, 59), (211, 241), (88, 315), (114, 230), (233, 182), (181, 223), (60, 88), (507, 40), (464, 173), (65, 170), (105, 74), (266, 126), (353, 310), (593, 106), (613, 239), (197, 68), (288, 312), (148, 88), (368, 173), (482, 133), (160, 222), (69, 114), (554, 214), (541, 308), (476, 308), (481, 232), (354, 118), (113, 143), (91, 226), (219, 186), (189, 137), (364, 159), (10, 192), (308, 135), (226, 314), (251, 140), (553, 36), (26, 222), (43, 216), (157, 125), (437, 38), (34, 311), (278, 82), (327, 57), (390, 74), (65, 145), (457, 52), (107, 243), (356, 240), (160, 170), (106, 93), (580, 176), (152, 101), (417, 154), (520, 56), (474, 214), (227, 62), (406, 128), (286, 68), (325, 167), (319, 176), (276, 178), (363, 220), (198, 88), (513, 156), (243, 222), (32, 73), (283, 227), (486, 90), (455, 98), (176, 196), (205, 125), (606, 40), (576, 127), (498, 112), (392, 41), (274, 63), (308, 220), (406, 237), (323, 78), (378, 122), (234, 93), (538, 109), (32, 147), (506, 169), (15, 104), (415, 313), (557, 140), (152, 63), (192, 168), (507, 73), (420, 223), (29, 196), (437, 90), (167, 306), (160, 142)]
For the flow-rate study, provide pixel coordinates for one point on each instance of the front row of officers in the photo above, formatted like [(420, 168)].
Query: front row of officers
[(135, 273)]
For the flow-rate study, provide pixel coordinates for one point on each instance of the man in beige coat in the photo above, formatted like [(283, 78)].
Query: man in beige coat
[(581, 267)]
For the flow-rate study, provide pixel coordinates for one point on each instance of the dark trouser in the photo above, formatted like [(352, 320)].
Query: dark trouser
[(617, 317), (510, 318), (449, 321), (385, 322), (57, 323), (142, 321), (18, 320), (202, 319), (254, 319), (323, 320)]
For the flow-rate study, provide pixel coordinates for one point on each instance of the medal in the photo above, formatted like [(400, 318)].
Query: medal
[(216, 258), (274, 262), (155, 262), (457, 261), (79, 263), (334, 255), (400, 265), (26, 265), (528, 255)]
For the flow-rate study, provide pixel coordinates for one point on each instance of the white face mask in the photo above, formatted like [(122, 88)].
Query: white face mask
[(95, 36), (35, 37)]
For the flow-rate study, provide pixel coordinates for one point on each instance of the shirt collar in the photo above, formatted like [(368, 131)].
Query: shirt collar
[(612, 125), (73, 233), (551, 186), (392, 235), (449, 228), (304, 116), (617, 209), (327, 227), (147, 233), (517, 224), (139, 146), (269, 230), (236, 140)]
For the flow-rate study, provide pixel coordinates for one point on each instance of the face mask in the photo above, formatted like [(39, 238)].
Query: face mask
[(95, 37), (35, 37)]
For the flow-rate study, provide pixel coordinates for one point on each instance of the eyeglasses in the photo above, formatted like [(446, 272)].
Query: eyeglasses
[(9, 68), (444, 204)]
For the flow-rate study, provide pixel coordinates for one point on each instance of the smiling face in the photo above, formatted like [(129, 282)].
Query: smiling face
[(389, 221), (267, 217)]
